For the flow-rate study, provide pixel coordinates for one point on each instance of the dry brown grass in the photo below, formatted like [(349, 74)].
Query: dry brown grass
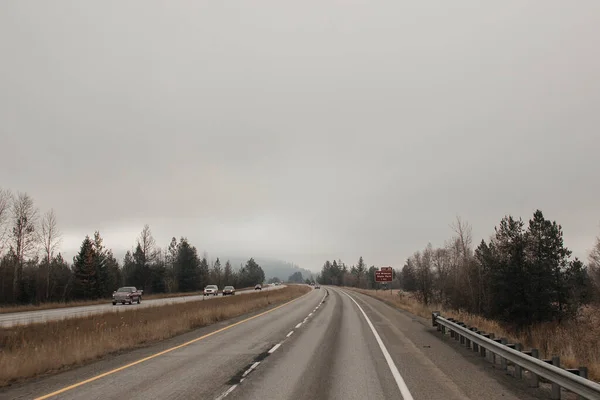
[(51, 305), (576, 342), (38, 349)]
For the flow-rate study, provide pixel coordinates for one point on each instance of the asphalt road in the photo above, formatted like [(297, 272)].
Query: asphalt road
[(328, 344), (30, 317)]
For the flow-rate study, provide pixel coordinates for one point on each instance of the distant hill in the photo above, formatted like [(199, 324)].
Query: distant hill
[(273, 268)]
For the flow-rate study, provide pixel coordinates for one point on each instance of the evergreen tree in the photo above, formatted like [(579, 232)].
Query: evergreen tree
[(187, 266), (84, 270), (128, 269), (228, 278), (296, 277), (217, 273), (103, 286), (204, 273), (251, 274), (115, 279), (371, 277)]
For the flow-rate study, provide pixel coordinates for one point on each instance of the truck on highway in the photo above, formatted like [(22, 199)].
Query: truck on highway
[(127, 294)]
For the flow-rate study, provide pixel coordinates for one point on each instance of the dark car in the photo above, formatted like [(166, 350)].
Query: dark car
[(228, 290)]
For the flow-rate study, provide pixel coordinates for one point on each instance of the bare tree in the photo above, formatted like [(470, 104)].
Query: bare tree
[(50, 238), (594, 267), (147, 243), (463, 241), (23, 235), (5, 203)]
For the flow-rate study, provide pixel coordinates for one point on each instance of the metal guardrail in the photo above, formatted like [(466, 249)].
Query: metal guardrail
[(567, 379)]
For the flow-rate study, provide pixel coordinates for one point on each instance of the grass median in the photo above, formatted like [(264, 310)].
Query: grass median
[(37, 349), (577, 342)]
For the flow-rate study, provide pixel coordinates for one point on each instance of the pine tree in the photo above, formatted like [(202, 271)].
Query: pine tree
[(103, 286), (113, 272), (204, 273), (187, 266), (216, 273), (84, 270), (228, 278)]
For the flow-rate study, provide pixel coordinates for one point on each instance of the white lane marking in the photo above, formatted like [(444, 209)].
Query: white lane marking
[(304, 320), (231, 389), (250, 369), (399, 381), (310, 314), (290, 334), (299, 325), (274, 348)]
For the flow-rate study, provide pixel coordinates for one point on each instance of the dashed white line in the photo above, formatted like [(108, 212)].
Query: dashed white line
[(304, 320), (397, 377), (299, 325), (250, 369), (274, 348), (290, 334), (231, 389)]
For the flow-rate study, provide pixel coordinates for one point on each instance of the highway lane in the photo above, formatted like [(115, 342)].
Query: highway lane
[(316, 347), (337, 356), (29, 317)]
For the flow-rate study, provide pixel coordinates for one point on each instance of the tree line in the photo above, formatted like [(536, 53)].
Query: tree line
[(524, 274), (32, 270), (358, 275)]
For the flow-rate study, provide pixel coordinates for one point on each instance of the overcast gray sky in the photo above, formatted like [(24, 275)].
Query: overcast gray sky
[(304, 130)]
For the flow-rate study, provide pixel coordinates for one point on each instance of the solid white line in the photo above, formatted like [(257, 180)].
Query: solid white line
[(231, 389), (299, 325), (290, 334), (399, 381), (274, 348)]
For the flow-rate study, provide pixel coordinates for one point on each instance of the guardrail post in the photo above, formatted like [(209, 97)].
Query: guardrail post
[(583, 372), (492, 354), (555, 388), (503, 363), (475, 346), (462, 338), (518, 369), (482, 351), (467, 340), (535, 380)]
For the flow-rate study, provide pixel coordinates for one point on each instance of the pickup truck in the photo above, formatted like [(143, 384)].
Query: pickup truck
[(127, 294)]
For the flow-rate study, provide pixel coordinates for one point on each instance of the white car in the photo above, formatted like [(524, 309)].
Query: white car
[(211, 289)]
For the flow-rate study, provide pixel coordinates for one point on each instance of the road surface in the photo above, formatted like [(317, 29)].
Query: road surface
[(29, 317), (328, 344)]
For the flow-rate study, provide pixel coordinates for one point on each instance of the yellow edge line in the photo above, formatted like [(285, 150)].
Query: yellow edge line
[(47, 396)]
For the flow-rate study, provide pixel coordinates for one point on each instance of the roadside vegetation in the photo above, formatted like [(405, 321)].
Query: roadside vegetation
[(34, 272), (38, 349), (522, 283), (577, 341)]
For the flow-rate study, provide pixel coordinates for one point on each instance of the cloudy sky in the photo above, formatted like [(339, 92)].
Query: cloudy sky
[(304, 130)]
